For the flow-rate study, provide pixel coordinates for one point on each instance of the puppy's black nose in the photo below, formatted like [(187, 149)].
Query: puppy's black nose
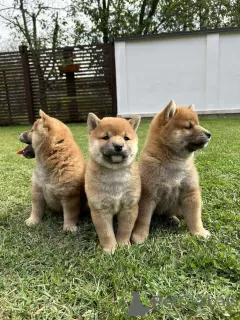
[(118, 147), (208, 134)]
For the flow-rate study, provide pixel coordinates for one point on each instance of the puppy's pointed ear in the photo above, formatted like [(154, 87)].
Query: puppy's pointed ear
[(134, 122), (92, 121), (170, 110), (192, 107), (44, 117)]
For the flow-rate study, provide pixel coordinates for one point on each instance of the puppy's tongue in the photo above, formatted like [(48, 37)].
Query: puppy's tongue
[(116, 159), (22, 151)]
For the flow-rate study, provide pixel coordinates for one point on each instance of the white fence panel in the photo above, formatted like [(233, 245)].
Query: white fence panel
[(203, 69)]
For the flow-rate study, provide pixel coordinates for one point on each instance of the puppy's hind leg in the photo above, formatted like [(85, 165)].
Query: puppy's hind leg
[(172, 218), (172, 221), (38, 206), (142, 225), (71, 213), (126, 221)]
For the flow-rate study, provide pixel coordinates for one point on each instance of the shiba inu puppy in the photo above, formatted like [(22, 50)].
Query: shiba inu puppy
[(112, 180), (168, 174), (58, 179)]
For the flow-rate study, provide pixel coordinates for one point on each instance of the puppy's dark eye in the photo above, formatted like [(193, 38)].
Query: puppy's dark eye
[(189, 126), (126, 138), (105, 138)]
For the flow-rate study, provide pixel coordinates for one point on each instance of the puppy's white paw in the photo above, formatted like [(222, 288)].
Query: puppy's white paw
[(71, 228), (32, 221), (138, 238), (124, 244), (203, 233), (110, 250)]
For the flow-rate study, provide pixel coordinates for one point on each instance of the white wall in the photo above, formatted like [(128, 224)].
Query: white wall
[(229, 71), (201, 69)]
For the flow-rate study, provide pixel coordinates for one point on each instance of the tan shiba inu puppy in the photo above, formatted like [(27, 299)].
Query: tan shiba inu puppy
[(112, 180), (58, 179), (168, 174)]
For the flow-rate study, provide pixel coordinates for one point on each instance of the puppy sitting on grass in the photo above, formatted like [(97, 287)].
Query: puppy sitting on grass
[(112, 180), (169, 177), (58, 178)]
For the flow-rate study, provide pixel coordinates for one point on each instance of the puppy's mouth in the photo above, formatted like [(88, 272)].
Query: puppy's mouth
[(115, 157), (28, 151), (197, 145)]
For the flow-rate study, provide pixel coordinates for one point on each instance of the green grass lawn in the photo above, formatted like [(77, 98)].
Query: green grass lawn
[(48, 274)]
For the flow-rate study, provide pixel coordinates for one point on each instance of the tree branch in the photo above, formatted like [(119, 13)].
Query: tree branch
[(34, 21), (141, 16), (108, 5), (7, 19), (151, 13), (27, 34), (18, 25), (54, 43), (9, 8)]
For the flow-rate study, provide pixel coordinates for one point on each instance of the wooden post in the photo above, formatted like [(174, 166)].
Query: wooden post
[(7, 97), (27, 83), (71, 88)]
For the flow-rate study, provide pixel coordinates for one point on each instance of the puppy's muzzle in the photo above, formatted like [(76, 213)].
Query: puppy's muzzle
[(117, 147), (25, 137), (208, 134)]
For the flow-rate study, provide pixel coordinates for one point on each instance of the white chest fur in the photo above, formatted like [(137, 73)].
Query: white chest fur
[(114, 190)]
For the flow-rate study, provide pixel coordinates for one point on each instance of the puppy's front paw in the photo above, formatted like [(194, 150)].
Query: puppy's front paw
[(71, 228), (138, 238), (123, 240), (32, 221), (203, 233), (109, 250), (124, 244)]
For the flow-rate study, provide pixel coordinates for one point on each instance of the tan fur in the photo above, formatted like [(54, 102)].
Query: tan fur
[(58, 179), (112, 188), (169, 177)]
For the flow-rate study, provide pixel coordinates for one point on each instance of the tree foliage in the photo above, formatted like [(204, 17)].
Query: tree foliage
[(91, 21), (34, 23), (114, 17), (103, 18)]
